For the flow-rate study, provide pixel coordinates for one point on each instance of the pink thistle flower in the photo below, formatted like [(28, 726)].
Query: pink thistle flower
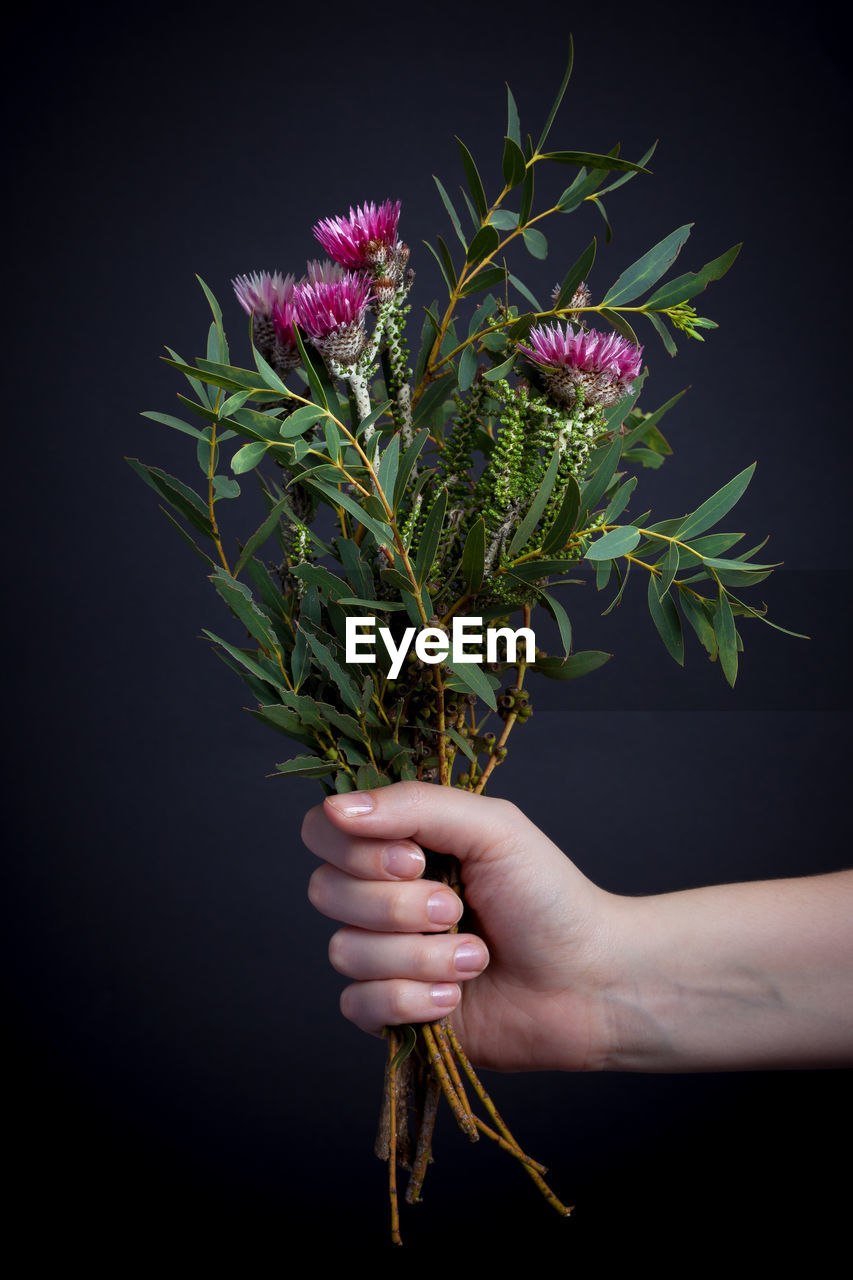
[(260, 292), (325, 271), (599, 366), (363, 240), (268, 299), (332, 314)]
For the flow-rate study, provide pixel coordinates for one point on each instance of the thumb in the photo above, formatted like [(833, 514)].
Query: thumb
[(443, 819)]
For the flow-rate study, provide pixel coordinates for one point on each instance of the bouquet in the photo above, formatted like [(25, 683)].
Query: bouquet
[(423, 509)]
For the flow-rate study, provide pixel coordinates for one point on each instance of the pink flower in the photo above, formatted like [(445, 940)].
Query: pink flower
[(325, 271), (268, 299), (363, 240), (260, 293), (599, 366), (332, 314)]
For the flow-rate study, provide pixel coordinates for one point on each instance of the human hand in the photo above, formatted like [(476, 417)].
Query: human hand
[(524, 987)]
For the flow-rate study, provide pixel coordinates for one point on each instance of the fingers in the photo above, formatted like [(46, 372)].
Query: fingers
[(392, 906), (374, 1005), (357, 953), (440, 818), (366, 859)]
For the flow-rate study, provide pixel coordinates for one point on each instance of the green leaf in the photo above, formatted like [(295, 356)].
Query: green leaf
[(603, 570), (481, 315), (724, 630), (525, 530), (430, 538), (533, 570), (448, 276), (514, 165), (669, 569), (484, 280), (565, 520), (716, 506), (524, 291), (269, 374), (664, 334), (693, 282), (435, 395), (616, 543), (559, 98), (468, 677), (620, 324), (592, 160), (225, 487), (647, 270), (186, 537), (462, 743), (696, 611), (387, 474), (315, 382), (513, 127), (472, 212), (475, 184), (307, 767), (329, 584), (180, 496), (579, 664), (179, 425), (666, 619), (620, 500), (561, 618), (249, 661), (638, 433), (535, 242), (262, 533), (451, 212), (298, 422), (338, 498), (626, 177), (527, 187), (321, 645), (378, 606), (622, 585), (407, 463), (474, 557), (485, 242), (467, 369), (595, 487), (500, 370), (575, 276), (447, 261)]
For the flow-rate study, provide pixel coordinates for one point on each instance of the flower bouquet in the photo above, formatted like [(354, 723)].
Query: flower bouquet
[(422, 509)]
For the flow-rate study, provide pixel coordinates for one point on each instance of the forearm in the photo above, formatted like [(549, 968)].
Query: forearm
[(732, 977)]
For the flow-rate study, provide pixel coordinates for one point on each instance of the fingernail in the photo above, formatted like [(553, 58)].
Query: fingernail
[(444, 907), (352, 804), (404, 860), (445, 996), (470, 957)]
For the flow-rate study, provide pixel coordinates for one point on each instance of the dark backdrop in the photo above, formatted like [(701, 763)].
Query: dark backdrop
[(179, 1064)]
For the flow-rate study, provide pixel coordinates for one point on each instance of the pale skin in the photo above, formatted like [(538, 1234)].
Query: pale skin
[(560, 974)]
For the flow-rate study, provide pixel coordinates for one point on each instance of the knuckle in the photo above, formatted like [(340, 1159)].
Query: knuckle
[(398, 909), (399, 1007)]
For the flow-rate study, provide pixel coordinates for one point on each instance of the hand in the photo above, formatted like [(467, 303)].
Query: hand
[(559, 974), (525, 987)]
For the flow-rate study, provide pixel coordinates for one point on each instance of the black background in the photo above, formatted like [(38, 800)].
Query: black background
[(181, 1076)]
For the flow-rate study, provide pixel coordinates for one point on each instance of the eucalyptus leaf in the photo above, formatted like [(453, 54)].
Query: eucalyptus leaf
[(579, 664), (665, 617), (648, 269), (616, 543), (525, 530)]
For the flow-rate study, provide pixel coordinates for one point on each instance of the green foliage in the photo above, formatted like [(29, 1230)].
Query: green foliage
[(466, 488)]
